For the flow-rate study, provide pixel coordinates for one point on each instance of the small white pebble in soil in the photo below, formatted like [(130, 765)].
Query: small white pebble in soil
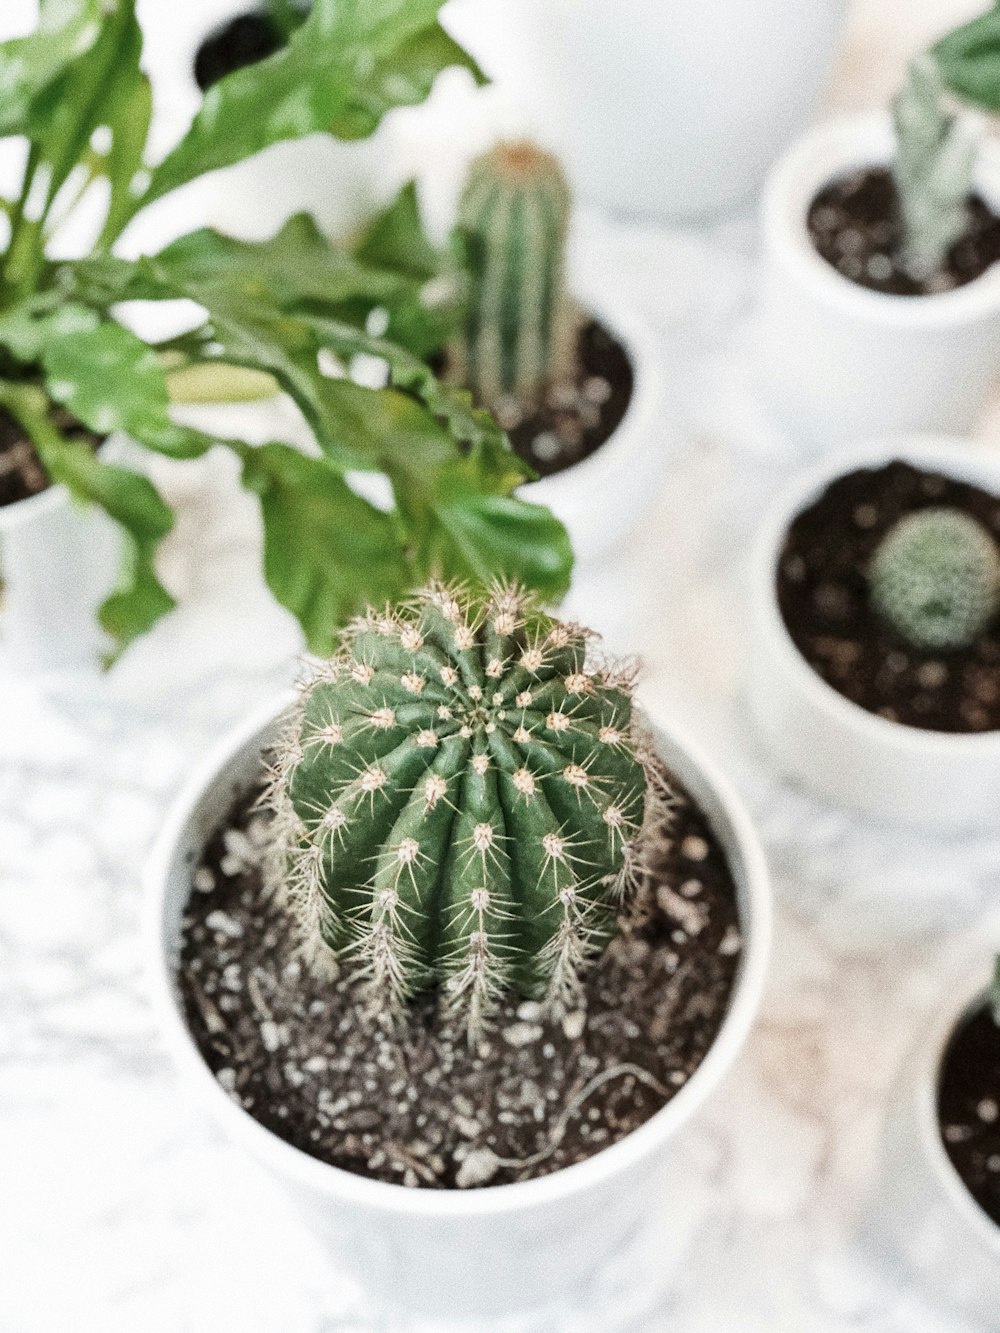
[(271, 1035), (203, 880), (230, 866), (226, 1078), (469, 1129), (546, 447), (521, 1034), (479, 1168), (993, 1163), (730, 942), (694, 848), (956, 1133), (223, 924), (677, 1077), (690, 888), (865, 516), (530, 1011), (880, 268), (932, 675), (988, 1111), (573, 1024), (597, 389)]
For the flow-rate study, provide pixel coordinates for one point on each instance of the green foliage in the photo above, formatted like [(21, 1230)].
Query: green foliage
[(292, 312), (969, 60), (935, 157), (459, 802), (936, 579), (520, 327)]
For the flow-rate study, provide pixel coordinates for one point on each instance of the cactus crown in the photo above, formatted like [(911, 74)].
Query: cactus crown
[(460, 801), (936, 578), (936, 153), (520, 328)]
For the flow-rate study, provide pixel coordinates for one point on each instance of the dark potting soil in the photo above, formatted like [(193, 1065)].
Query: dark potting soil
[(414, 1103), (969, 1108), (243, 40), (576, 417), (823, 596), (855, 225), (21, 472)]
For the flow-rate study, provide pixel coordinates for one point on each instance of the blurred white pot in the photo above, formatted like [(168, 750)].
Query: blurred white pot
[(933, 1222), (58, 561), (462, 1253), (825, 742), (602, 499), (840, 362), (665, 107)]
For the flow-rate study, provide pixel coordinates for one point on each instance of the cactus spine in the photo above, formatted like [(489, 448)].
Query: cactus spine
[(936, 579), (520, 328), (935, 157), (460, 803)]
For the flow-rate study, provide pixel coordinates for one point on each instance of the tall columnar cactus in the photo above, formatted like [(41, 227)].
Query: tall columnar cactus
[(520, 329), (935, 156), (461, 801), (936, 578)]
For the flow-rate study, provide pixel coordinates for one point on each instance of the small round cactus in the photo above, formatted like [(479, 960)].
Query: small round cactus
[(460, 802), (936, 579), (520, 329)]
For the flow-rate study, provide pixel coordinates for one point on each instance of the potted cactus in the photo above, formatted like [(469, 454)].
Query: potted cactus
[(575, 383), (293, 312), (875, 623), (456, 945), (938, 1185), (881, 295)]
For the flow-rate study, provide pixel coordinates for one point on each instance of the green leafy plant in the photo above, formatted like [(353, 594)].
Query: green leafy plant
[(935, 156), (293, 312), (936, 579), (969, 59), (462, 801), (519, 333)]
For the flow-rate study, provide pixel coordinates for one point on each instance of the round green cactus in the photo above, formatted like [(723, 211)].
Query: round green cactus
[(936, 579), (460, 802), (520, 328)]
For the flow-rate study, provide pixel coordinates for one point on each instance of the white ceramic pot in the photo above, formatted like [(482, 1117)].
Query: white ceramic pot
[(825, 742), (58, 561), (604, 497), (456, 1253), (922, 1211), (665, 107), (840, 362)]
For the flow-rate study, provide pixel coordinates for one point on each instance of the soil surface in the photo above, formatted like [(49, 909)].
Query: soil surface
[(576, 418), (21, 471), (969, 1108), (244, 40), (823, 596), (416, 1104), (855, 225)]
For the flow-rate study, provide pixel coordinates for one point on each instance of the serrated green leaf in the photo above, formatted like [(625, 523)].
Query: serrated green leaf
[(349, 63), (327, 552), (969, 60), (30, 65), (394, 239), (132, 501), (112, 381)]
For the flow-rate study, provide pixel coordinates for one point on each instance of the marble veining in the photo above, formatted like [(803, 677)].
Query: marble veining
[(122, 1209)]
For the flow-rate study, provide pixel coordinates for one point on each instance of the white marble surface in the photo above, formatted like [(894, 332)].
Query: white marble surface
[(121, 1209)]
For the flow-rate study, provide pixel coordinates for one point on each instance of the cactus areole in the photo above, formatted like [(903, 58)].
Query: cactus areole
[(460, 802)]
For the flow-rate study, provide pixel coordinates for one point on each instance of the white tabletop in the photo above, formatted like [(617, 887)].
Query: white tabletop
[(122, 1209)]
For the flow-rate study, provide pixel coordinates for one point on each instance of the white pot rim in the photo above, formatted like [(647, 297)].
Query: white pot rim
[(55, 496), (938, 453), (340, 1185), (833, 148), (929, 1069), (637, 429)]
